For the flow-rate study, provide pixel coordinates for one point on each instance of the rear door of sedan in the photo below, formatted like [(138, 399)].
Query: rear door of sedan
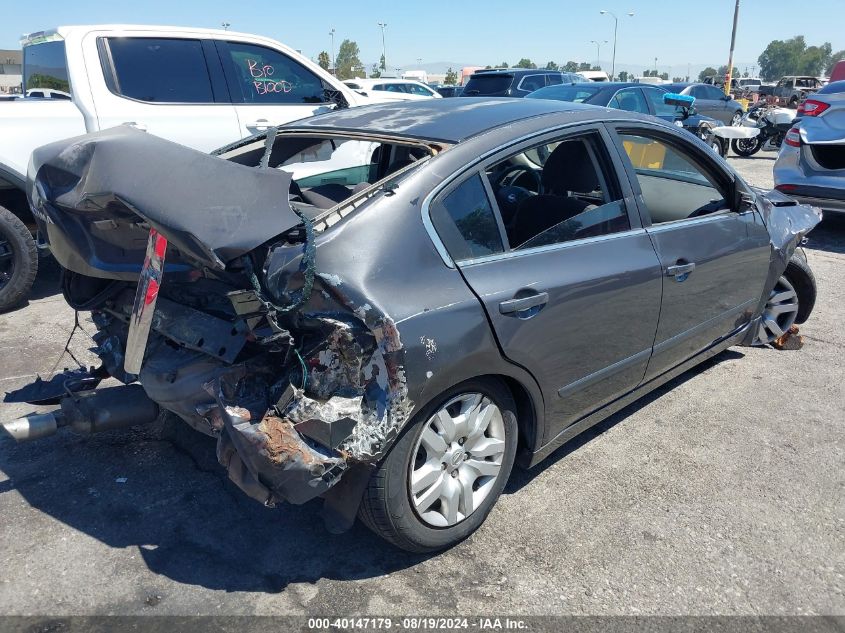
[(715, 260), (575, 298)]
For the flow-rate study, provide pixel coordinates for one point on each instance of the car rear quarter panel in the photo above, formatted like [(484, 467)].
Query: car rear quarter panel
[(384, 252)]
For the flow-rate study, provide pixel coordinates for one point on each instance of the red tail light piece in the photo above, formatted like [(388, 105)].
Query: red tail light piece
[(786, 188), (812, 107), (793, 137)]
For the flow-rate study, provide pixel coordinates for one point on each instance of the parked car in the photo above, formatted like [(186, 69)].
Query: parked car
[(811, 163), (393, 89), (497, 276), (594, 75), (710, 101), (515, 82), (642, 98), (813, 102), (791, 90), (450, 91), (199, 87)]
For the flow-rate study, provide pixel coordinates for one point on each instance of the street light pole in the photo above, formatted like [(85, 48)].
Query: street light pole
[(615, 29), (383, 47), (598, 51), (333, 64)]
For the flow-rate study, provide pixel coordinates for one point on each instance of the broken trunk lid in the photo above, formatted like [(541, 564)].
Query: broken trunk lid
[(210, 210)]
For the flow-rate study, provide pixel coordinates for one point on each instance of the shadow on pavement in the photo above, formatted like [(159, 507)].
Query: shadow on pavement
[(521, 478), (172, 501), (829, 235)]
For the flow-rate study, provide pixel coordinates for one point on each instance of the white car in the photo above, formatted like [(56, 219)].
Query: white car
[(393, 89), (202, 88)]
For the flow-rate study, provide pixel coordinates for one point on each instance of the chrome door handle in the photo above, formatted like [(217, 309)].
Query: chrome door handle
[(680, 271), (260, 124), (518, 305)]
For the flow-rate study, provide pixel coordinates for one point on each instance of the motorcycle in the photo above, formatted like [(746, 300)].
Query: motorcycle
[(763, 127)]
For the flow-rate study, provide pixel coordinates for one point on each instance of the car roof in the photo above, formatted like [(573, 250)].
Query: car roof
[(445, 120), (516, 71)]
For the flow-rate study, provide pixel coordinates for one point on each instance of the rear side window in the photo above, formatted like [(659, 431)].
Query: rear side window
[(629, 100), (530, 83), (264, 75), (484, 84), (160, 70), (465, 222), (44, 66)]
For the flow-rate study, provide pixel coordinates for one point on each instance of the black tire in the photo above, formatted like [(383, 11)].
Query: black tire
[(746, 147), (20, 264), (793, 103), (736, 119), (799, 274), (386, 507)]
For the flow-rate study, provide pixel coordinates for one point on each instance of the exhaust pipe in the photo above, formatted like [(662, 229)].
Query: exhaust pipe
[(89, 412), (33, 427)]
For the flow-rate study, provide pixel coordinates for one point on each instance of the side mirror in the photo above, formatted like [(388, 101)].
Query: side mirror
[(744, 201), (726, 98)]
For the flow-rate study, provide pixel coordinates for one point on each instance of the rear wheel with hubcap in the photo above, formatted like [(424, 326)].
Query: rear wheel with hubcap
[(442, 477)]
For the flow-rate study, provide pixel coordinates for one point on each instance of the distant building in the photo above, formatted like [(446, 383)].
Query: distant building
[(10, 71)]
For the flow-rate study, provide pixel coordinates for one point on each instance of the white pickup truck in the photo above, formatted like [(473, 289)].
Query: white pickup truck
[(199, 87)]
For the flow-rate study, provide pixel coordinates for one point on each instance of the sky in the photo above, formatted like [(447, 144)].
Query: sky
[(694, 32)]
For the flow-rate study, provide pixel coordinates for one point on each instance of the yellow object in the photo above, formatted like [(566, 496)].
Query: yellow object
[(645, 154), (744, 103)]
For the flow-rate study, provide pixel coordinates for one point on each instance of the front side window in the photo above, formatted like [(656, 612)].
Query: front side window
[(465, 221), (674, 186), (45, 66), (629, 100), (568, 192), (160, 70), (554, 79), (655, 97), (264, 75)]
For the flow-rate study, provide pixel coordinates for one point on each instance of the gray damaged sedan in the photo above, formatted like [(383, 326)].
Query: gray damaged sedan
[(389, 307)]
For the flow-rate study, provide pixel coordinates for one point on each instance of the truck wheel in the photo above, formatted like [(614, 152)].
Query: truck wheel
[(18, 260), (793, 103)]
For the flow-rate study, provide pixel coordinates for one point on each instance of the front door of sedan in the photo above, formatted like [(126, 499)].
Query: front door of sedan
[(714, 260), (572, 287)]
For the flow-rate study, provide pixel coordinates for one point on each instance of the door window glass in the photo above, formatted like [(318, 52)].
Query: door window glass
[(655, 97), (161, 70), (699, 92), (414, 89), (630, 100), (44, 66), (465, 222), (674, 186), (264, 75), (531, 83), (714, 93), (557, 192), (553, 79)]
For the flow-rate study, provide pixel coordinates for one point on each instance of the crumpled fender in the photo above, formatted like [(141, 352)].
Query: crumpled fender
[(788, 223)]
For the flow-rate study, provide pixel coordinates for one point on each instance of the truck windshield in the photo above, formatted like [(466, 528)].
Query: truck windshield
[(45, 66)]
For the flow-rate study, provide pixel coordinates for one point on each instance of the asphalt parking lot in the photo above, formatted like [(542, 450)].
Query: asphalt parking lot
[(722, 493)]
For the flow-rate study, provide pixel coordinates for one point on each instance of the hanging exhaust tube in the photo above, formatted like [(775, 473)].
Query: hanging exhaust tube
[(89, 412)]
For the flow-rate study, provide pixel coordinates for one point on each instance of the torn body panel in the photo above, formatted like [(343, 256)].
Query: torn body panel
[(787, 223)]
